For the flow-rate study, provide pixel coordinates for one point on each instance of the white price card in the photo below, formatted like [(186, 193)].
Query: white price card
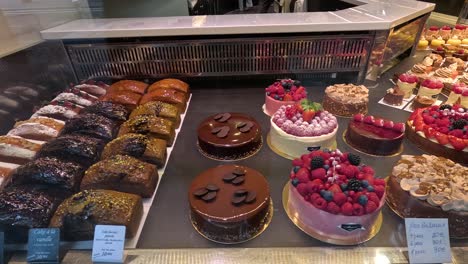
[(108, 245), (428, 240)]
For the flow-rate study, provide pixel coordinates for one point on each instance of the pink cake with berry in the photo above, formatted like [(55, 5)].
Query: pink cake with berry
[(407, 83), (297, 128), (375, 136), (442, 131), (430, 88), (334, 197), (283, 92)]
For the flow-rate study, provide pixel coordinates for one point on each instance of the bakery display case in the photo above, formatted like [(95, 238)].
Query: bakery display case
[(229, 138)]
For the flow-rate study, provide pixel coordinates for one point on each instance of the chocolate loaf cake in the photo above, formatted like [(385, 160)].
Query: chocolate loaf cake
[(78, 215), (151, 126), (91, 125), (151, 150), (122, 173), (113, 111)]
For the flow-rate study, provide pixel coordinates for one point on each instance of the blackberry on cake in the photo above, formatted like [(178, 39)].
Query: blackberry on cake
[(283, 92)]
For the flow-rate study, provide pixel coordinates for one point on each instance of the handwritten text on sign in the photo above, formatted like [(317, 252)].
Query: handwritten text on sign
[(43, 245), (109, 242), (428, 240)]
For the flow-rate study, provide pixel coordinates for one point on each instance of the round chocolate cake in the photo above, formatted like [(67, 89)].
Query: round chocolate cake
[(229, 136), (230, 203)]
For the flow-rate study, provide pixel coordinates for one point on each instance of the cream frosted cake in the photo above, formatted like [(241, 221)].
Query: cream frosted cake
[(335, 197), (297, 128), (283, 92)]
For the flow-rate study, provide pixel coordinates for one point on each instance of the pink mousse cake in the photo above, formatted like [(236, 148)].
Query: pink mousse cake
[(283, 92), (335, 197)]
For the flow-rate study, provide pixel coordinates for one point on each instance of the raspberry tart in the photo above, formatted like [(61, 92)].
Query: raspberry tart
[(335, 198), (430, 186), (375, 136), (407, 83), (442, 131), (459, 91), (283, 92), (430, 88), (346, 99), (297, 128)]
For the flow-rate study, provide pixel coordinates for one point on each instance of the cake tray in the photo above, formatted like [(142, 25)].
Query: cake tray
[(264, 110), (373, 155), (246, 156), (292, 216), (287, 156), (267, 221)]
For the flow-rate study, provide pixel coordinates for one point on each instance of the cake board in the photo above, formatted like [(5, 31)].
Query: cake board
[(372, 155), (287, 156)]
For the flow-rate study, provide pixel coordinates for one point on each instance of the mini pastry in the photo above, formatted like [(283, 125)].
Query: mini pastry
[(128, 86), (423, 43), (446, 75), (455, 94), (430, 88), (461, 54), (432, 33), (422, 102), (407, 83), (439, 51), (458, 30), (17, 150), (454, 41), (394, 96), (170, 84), (452, 60), (438, 42), (445, 32), (421, 71), (40, 128)]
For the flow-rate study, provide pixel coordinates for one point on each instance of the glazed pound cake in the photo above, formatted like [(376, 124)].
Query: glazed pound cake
[(78, 215)]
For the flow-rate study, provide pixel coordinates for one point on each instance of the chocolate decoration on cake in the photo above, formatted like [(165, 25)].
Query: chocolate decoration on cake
[(223, 132), (229, 144), (216, 130), (241, 124), (239, 171), (229, 177), (229, 218), (209, 196), (212, 187), (200, 192), (238, 180)]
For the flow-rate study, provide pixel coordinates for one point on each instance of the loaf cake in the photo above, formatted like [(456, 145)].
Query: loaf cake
[(82, 149), (78, 215), (91, 125), (170, 96), (113, 111), (56, 112), (49, 171), (151, 126), (159, 109), (129, 86), (6, 169), (17, 150), (346, 99), (129, 99), (170, 84), (40, 128), (73, 98), (152, 150), (93, 88), (122, 173)]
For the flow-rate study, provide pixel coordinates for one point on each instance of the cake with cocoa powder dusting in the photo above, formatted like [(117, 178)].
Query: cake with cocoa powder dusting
[(346, 99), (430, 186)]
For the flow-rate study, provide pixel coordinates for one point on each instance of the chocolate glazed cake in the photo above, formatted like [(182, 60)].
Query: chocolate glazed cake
[(230, 203), (229, 136)]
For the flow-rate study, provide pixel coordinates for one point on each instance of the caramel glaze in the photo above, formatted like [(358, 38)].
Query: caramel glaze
[(408, 206), (342, 109), (236, 144), (219, 219), (373, 140)]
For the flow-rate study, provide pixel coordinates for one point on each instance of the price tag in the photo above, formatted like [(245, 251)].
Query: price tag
[(428, 240), (108, 245), (43, 245)]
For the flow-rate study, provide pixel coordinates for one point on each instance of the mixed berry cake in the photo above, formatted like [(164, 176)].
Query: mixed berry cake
[(375, 136), (229, 136), (346, 99), (336, 197), (430, 186), (230, 203), (407, 83), (296, 128), (283, 92), (440, 130)]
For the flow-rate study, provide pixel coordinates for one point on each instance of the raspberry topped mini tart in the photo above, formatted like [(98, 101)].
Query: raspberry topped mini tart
[(335, 198), (296, 128), (442, 131), (375, 135), (457, 93), (430, 88), (283, 92), (407, 83), (346, 99)]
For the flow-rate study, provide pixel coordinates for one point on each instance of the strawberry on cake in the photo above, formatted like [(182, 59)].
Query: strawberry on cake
[(283, 92), (442, 131), (407, 83), (335, 197), (296, 128)]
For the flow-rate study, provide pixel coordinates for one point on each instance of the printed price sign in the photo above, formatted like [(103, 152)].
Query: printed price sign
[(43, 245), (108, 245), (428, 240)]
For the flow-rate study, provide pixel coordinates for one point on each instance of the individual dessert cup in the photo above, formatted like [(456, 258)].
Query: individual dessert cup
[(439, 51), (458, 30), (394, 96), (297, 128), (445, 32), (229, 136), (230, 204), (346, 99), (446, 75), (461, 54), (407, 83), (456, 93), (422, 102), (421, 71), (334, 198), (430, 186), (375, 136), (430, 88), (423, 43), (465, 41), (436, 58), (283, 92), (432, 33), (437, 42), (441, 131)]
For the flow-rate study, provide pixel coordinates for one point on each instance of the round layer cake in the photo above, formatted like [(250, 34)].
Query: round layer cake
[(229, 136), (294, 132), (430, 186), (440, 130), (375, 135), (346, 99), (230, 203), (334, 198), (283, 92)]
